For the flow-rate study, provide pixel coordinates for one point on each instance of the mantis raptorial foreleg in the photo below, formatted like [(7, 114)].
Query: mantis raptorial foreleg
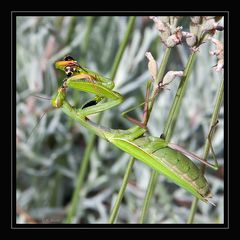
[(113, 98), (88, 83)]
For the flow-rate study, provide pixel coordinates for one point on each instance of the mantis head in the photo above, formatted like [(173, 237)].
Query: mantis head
[(68, 65)]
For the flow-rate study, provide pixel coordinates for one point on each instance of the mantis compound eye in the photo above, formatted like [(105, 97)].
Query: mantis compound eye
[(68, 58)]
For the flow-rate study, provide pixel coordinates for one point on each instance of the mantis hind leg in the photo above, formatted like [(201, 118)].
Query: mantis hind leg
[(210, 134), (214, 166)]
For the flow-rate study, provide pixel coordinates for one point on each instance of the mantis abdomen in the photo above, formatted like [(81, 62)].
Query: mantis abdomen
[(155, 152)]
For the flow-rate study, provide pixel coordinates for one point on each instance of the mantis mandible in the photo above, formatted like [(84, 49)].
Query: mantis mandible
[(155, 152)]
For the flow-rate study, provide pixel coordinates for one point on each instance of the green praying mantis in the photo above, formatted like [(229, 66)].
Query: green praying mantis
[(160, 155)]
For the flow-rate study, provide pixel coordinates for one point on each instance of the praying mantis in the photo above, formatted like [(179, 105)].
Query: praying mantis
[(157, 153)]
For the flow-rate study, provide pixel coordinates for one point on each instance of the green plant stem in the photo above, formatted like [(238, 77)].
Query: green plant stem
[(71, 27), (131, 160), (59, 22), (122, 47), (160, 75), (85, 43), (214, 118), (80, 178), (150, 189), (121, 191), (171, 120), (82, 172), (163, 64)]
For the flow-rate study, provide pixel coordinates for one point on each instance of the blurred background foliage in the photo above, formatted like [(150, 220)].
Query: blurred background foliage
[(48, 161)]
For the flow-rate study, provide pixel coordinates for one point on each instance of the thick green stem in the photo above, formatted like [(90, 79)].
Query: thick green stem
[(122, 47), (80, 178), (71, 27), (117, 203), (163, 65), (92, 137), (171, 120), (148, 196), (127, 173), (59, 22), (160, 75), (214, 118), (85, 43), (154, 174), (172, 116)]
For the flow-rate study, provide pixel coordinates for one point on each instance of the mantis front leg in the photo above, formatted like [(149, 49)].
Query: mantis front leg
[(83, 83), (86, 80)]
